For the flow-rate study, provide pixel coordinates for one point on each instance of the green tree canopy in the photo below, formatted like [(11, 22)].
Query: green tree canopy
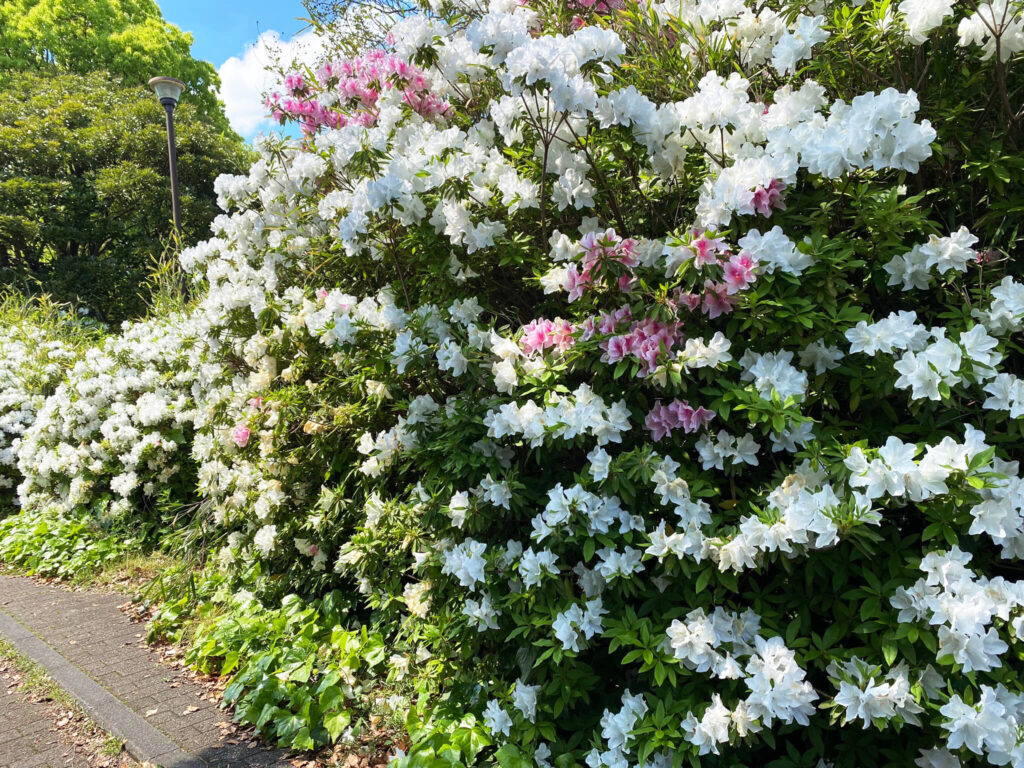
[(128, 38), (84, 196)]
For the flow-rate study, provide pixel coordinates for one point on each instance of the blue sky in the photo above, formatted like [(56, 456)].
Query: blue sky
[(234, 36)]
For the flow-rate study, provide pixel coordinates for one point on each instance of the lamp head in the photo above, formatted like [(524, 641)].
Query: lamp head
[(168, 89)]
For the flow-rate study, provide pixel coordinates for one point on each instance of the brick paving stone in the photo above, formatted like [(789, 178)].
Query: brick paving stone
[(28, 738), (89, 630)]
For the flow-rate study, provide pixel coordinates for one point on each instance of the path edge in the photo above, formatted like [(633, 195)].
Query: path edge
[(143, 741)]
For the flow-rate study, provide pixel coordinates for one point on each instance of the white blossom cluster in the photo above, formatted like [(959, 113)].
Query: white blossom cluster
[(964, 608), (870, 694), (719, 644), (616, 732), (31, 366), (930, 363), (943, 254), (584, 413), (894, 472), (989, 727), (991, 26), (115, 424)]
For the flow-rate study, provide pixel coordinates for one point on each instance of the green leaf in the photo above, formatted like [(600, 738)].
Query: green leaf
[(303, 741), (336, 722), (702, 580), (510, 757), (331, 697), (230, 663), (889, 649), (589, 546)]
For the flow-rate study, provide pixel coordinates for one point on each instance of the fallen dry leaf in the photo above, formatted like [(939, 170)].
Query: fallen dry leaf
[(190, 710), (151, 712)]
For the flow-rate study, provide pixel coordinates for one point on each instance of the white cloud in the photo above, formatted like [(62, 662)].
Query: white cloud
[(245, 81)]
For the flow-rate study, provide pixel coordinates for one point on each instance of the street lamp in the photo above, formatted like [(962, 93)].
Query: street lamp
[(168, 90)]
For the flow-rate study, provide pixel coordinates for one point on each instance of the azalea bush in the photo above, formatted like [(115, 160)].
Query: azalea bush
[(113, 436), (646, 377), (39, 342), (662, 384)]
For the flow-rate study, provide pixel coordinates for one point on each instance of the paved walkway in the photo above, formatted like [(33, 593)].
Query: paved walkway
[(94, 652), (28, 738)]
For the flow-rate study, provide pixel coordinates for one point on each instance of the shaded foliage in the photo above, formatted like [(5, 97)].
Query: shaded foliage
[(84, 196)]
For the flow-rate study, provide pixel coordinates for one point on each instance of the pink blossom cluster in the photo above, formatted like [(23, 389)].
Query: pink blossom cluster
[(768, 199), (662, 419), (543, 334), (606, 322), (717, 297), (358, 84), (646, 340), (599, 250), (240, 435)]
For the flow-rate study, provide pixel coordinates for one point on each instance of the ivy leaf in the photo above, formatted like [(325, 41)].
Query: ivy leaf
[(336, 722)]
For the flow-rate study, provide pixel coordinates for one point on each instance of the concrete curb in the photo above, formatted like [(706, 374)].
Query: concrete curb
[(143, 742)]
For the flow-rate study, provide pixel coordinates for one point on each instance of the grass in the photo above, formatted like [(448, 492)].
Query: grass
[(130, 573), (34, 680), (112, 747)]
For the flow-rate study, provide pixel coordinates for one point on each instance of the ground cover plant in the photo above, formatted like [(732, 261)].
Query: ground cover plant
[(645, 379)]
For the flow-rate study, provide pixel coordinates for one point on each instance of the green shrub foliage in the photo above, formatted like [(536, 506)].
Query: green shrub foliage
[(84, 199)]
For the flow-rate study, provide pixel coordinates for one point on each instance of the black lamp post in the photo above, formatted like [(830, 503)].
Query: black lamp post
[(168, 90)]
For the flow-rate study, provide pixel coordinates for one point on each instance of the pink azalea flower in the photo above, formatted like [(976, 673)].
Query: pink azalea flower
[(689, 300), (656, 423), (707, 249), (240, 435), (577, 283), (648, 351), (562, 335), (767, 199), (616, 348), (543, 334), (662, 419), (716, 299), (739, 272)]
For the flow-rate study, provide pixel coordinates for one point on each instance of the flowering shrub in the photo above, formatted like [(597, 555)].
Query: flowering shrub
[(38, 343), (658, 402), (607, 369), (110, 437)]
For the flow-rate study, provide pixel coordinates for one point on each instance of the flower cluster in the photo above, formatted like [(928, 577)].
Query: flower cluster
[(348, 92), (32, 363), (717, 644), (114, 433), (963, 607)]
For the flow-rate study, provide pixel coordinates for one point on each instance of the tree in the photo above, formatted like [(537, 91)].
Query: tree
[(351, 26), (128, 38), (84, 197)]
